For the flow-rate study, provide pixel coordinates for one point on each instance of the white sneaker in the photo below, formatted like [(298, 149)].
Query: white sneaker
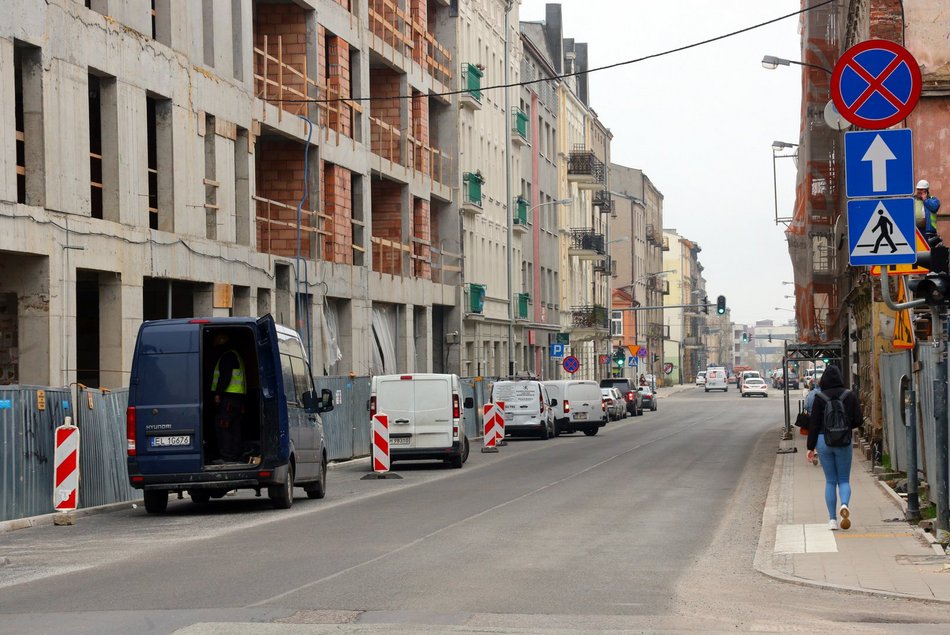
[(845, 517), (833, 525)]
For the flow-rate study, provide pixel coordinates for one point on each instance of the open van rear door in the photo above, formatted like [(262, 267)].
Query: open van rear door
[(274, 432)]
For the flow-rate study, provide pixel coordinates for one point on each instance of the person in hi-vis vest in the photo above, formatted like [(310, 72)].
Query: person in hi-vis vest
[(229, 385)]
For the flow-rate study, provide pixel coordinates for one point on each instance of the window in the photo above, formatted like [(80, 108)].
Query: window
[(286, 367), (616, 323)]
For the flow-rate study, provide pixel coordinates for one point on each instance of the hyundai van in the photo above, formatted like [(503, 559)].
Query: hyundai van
[(173, 425)]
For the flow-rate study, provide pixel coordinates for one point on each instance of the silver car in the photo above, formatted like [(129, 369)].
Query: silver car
[(615, 405)]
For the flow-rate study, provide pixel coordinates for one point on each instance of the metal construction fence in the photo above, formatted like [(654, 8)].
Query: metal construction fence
[(28, 417), (892, 367), (28, 422)]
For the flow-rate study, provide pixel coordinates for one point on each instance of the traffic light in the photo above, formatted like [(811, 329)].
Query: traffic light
[(721, 305), (655, 357), (770, 338), (706, 305), (935, 288), (935, 260), (745, 337), (619, 357)]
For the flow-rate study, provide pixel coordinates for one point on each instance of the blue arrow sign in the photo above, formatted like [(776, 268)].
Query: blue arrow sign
[(881, 232), (879, 163)]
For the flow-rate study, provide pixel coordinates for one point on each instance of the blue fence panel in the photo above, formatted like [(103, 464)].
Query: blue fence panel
[(103, 468)]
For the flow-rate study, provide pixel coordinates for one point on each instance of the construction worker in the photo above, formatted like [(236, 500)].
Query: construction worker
[(925, 209), (229, 386)]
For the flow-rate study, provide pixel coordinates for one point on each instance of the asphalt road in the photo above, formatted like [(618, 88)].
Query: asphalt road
[(652, 524)]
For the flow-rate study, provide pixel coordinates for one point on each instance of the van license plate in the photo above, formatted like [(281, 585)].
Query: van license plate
[(580, 416), (399, 441), (161, 442)]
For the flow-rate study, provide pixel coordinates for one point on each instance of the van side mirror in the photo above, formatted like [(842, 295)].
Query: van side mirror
[(468, 403)]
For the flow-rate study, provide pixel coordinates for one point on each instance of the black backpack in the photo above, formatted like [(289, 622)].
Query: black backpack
[(836, 426)]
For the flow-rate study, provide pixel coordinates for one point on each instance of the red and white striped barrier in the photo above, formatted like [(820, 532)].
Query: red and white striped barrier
[(380, 443), (66, 467), (494, 422)]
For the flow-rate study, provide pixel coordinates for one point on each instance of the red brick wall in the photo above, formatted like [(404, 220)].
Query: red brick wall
[(420, 131), (288, 22), (280, 177), (338, 204), (387, 223), (337, 64), (385, 83), (419, 10), (421, 229), (886, 20)]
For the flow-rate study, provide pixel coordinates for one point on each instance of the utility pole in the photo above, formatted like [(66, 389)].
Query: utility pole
[(507, 129)]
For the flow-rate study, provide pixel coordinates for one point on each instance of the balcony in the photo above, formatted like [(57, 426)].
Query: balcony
[(658, 331), (585, 169), (653, 236), (607, 267), (589, 322), (655, 283), (693, 342), (521, 306), (519, 128), (520, 215), (476, 298), (586, 244), (665, 245), (604, 202), (472, 85), (472, 192)]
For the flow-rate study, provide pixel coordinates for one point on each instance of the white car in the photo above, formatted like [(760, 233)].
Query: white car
[(754, 386), (701, 378)]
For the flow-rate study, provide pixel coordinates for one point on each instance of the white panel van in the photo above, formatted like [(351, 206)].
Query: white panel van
[(527, 408), (578, 406), (425, 416), (717, 379)]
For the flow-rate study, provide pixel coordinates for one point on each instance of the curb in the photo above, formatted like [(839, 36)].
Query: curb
[(47, 519)]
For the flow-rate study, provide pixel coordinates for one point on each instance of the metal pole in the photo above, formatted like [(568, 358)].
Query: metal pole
[(775, 186), (507, 129), (787, 433), (910, 423)]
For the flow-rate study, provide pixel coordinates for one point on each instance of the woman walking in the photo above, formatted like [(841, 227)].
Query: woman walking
[(834, 448)]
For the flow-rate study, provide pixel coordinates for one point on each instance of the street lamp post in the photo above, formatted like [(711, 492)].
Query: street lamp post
[(510, 253), (778, 146), (771, 62)]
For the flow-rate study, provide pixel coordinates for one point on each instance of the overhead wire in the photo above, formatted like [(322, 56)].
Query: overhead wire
[(530, 82)]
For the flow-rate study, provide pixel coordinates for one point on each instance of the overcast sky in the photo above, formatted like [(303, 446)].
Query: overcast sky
[(700, 124)]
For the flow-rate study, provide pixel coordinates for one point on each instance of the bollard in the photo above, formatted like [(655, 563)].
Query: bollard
[(66, 470)]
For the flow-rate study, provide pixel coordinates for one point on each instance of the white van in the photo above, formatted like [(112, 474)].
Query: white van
[(425, 416), (717, 379), (528, 408), (578, 405)]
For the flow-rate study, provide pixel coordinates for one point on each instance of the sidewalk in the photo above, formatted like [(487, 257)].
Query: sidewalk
[(880, 553)]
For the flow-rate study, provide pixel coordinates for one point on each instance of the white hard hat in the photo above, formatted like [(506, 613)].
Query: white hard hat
[(923, 184)]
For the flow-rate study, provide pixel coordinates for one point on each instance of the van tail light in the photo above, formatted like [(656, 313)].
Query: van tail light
[(372, 406), (456, 407), (567, 406), (631, 396), (603, 404), (130, 430), (541, 400)]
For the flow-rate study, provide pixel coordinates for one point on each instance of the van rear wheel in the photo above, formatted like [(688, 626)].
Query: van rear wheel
[(156, 500), (591, 431), (282, 495)]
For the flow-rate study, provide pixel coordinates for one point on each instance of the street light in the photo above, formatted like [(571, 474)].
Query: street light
[(781, 308), (771, 62), (778, 146)]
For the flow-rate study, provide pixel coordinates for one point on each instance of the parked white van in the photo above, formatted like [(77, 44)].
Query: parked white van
[(425, 416), (717, 379), (578, 405), (528, 408)]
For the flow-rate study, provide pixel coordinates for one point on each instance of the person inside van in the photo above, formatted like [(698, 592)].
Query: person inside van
[(229, 386)]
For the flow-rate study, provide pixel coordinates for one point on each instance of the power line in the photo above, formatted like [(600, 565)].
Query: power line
[(565, 75)]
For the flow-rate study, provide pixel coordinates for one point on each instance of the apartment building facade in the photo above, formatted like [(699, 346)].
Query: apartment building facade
[(686, 349), (175, 159)]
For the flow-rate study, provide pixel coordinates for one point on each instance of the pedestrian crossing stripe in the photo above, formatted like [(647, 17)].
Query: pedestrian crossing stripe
[(876, 236), (901, 270), (903, 332)]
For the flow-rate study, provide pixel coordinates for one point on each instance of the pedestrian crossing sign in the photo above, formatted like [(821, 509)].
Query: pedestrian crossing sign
[(881, 232)]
